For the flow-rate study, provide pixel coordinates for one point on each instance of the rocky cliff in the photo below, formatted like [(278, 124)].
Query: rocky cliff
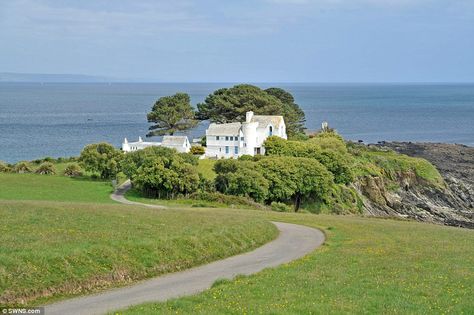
[(451, 203)]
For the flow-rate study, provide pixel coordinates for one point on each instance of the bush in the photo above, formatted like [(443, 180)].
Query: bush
[(331, 141), (281, 207), (247, 183), (189, 158), (296, 179), (164, 177), (246, 157), (102, 158), (206, 184), (73, 170), (46, 168), (4, 167), (197, 150), (328, 148), (22, 167), (133, 160), (226, 199)]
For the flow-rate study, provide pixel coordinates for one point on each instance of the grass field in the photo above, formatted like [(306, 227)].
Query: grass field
[(367, 266), (56, 188), (50, 249)]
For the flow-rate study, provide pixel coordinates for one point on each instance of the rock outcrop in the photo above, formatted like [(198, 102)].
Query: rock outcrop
[(449, 204)]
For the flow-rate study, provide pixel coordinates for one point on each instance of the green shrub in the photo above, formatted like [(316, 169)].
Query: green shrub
[(281, 207), (331, 141), (189, 158), (246, 157), (22, 167), (73, 170), (4, 167), (164, 177), (197, 150), (133, 160), (102, 158), (46, 168), (328, 148), (296, 179), (247, 183), (226, 199)]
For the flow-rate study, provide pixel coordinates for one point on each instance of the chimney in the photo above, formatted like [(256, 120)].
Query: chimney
[(248, 116), (125, 140), (140, 139)]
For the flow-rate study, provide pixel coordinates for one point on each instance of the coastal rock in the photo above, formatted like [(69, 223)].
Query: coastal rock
[(450, 205)]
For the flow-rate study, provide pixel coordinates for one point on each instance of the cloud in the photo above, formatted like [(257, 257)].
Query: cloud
[(141, 18)]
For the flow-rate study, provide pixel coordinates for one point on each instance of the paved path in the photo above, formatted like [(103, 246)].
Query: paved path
[(119, 196), (294, 241)]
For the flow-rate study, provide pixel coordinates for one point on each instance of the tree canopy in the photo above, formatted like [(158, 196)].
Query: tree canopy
[(282, 178), (230, 104), (329, 150), (291, 111), (170, 114), (166, 177)]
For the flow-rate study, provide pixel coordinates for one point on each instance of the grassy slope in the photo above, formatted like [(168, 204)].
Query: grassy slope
[(388, 164), (53, 249), (205, 168), (366, 266), (59, 188)]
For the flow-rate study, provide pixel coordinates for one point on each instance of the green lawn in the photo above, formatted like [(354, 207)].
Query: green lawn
[(367, 266), (58, 188), (50, 250), (205, 167)]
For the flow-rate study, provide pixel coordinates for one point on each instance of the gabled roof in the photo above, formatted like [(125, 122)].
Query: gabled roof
[(229, 129), (265, 120), (174, 140)]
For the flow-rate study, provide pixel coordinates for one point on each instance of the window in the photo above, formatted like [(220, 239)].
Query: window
[(270, 131), (236, 150), (226, 138), (241, 138), (217, 138), (226, 149)]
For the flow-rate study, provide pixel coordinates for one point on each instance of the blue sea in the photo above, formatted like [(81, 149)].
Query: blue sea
[(38, 120)]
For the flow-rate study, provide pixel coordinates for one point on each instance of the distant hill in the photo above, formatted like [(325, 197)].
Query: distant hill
[(49, 78)]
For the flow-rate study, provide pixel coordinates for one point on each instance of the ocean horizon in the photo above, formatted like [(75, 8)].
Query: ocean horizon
[(59, 119)]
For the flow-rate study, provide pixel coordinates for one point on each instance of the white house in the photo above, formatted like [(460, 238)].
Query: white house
[(180, 143), (235, 139)]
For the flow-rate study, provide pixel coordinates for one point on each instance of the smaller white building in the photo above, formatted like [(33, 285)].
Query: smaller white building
[(180, 143)]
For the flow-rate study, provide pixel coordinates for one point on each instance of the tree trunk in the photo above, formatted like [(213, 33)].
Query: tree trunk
[(297, 202)]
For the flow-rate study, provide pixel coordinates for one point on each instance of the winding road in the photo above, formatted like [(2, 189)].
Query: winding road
[(293, 242)]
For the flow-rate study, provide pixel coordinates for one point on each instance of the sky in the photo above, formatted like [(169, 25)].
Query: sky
[(241, 41)]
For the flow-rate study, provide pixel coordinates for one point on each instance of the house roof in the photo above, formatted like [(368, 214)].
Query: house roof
[(174, 140), (229, 129), (265, 120)]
